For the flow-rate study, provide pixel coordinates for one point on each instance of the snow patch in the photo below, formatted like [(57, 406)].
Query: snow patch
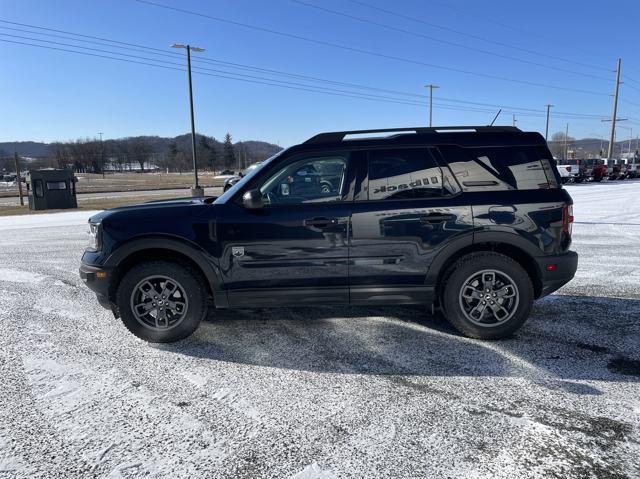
[(8, 464), (194, 379), (74, 218), (126, 469), (314, 471), (11, 275)]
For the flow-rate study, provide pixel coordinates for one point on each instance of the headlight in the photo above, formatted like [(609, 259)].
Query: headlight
[(95, 236)]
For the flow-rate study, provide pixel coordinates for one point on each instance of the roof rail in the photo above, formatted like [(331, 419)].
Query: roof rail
[(337, 136)]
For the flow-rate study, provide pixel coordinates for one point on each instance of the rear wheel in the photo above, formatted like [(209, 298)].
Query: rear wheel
[(161, 301), (487, 296)]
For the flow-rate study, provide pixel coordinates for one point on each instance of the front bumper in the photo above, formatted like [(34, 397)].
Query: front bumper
[(556, 271), (97, 280)]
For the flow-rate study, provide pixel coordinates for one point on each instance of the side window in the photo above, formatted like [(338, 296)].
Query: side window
[(310, 180), (38, 188), (56, 185), (406, 173), (499, 168)]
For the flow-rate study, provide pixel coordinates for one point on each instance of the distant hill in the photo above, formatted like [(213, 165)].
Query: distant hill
[(253, 149), (24, 148), (590, 147)]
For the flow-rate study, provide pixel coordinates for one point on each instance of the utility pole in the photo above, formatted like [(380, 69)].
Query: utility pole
[(546, 130), (612, 145), (615, 113), (566, 142), (431, 87), (101, 154), (514, 119), (601, 147), (196, 190), (18, 178)]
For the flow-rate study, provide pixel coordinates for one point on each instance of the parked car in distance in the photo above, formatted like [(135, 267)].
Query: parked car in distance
[(473, 221), (633, 169), (600, 170), (622, 168), (568, 172), (229, 182)]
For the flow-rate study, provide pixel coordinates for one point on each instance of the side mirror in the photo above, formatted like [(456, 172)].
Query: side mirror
[(252, 200)]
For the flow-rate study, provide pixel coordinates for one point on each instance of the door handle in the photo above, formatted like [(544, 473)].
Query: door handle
[(320, 222), (437, 218)]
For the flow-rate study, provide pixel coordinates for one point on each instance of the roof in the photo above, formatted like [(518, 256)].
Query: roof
[(460, 135)]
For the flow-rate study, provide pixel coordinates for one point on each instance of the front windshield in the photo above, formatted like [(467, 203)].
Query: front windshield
[(250, 174)]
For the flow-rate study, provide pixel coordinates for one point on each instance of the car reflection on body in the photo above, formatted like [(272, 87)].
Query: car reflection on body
[(229, 182)]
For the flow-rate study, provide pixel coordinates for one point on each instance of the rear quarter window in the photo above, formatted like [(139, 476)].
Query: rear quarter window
[(501, 168)]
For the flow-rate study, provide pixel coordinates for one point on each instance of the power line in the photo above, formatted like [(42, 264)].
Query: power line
[(156, 51), (475, 37), (163, 64), (445, 42), (160, 52), (366, 52), (505, 25), (256, 80), (630, 79)]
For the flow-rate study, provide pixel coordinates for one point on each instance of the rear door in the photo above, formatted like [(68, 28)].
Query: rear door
[(406, 209)]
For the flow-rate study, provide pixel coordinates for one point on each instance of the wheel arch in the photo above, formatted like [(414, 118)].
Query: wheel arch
[(164, 248), (504, 244)]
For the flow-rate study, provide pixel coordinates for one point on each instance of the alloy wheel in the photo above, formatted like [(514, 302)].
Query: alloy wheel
[(489, 298), (159, 302)]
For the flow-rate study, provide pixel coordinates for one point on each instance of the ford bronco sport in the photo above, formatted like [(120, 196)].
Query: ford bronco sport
[(471, 220)]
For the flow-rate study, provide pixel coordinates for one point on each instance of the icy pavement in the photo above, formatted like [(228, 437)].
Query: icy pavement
[(322, 393)]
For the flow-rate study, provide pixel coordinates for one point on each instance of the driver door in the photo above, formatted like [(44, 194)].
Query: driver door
[(295, 248)]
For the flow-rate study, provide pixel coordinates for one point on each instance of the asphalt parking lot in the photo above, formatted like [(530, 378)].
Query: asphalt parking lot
[(322, 392)]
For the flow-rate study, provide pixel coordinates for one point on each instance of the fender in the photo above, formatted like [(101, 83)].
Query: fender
[(476, 237), (451, 248), (193, 251)]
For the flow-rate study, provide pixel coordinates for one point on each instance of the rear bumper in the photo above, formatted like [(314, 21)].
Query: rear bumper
[(556, 271), (97, 280)]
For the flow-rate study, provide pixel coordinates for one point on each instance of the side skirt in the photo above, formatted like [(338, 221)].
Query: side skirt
[(360, 295), (387, 295)]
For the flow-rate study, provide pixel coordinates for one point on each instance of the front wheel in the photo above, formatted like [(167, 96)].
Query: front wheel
[(161, 301), (487, 296)]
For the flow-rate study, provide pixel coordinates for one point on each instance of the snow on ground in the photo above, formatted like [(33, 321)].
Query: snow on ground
[(50, 220), (322, 392)]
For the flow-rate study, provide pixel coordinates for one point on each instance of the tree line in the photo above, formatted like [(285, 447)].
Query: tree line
[(142, 154)]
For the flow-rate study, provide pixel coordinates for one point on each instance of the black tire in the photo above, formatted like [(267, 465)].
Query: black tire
[(188, 280), (473, 264)]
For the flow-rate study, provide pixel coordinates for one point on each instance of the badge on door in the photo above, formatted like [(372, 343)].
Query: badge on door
[(237, 251)]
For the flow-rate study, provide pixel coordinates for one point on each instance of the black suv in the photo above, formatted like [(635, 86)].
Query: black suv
[(472, 220)]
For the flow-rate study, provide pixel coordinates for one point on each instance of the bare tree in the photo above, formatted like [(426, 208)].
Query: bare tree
[(140, 150), (557, 144)]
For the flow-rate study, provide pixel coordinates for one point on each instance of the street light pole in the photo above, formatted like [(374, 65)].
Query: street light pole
[(431, 87), (196, 190)]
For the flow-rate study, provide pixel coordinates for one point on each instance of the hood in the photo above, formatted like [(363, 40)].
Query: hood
[(154, 205)]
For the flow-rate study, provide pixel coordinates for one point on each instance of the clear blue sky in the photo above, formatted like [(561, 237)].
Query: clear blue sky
[(48, 95)]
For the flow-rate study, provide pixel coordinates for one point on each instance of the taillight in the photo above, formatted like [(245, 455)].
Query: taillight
[(567, 220)]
